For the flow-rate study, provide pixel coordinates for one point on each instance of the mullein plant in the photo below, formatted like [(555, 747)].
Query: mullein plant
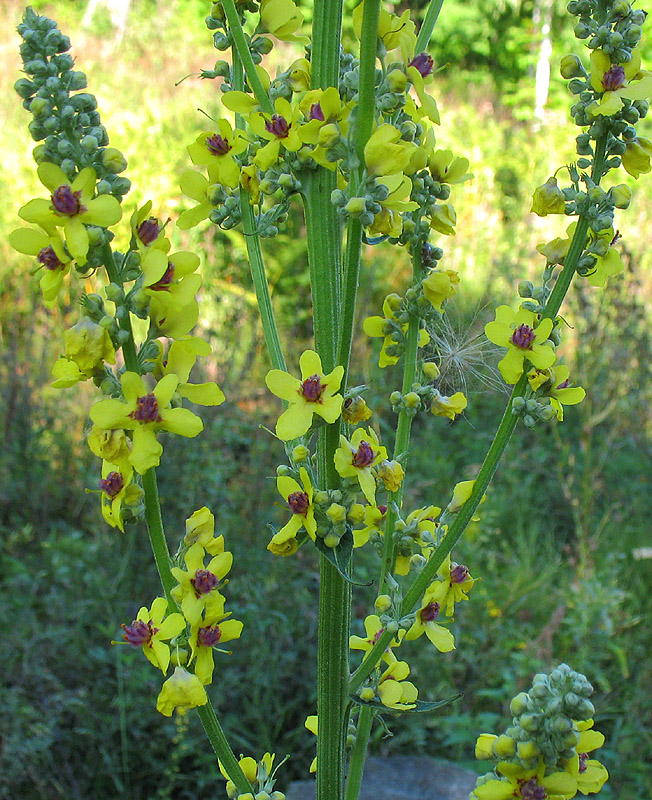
[(353, 136)]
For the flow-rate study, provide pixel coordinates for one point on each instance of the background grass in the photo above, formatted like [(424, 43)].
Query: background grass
[(560, 548)]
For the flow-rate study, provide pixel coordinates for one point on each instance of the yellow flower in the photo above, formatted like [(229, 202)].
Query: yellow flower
[(315, 393), (111, 445), (117, 488), (87, 346), (548, 199), (447, 168), (199, 586), (393, 690), (51, 254), (393, 31), (171, 283), (357, 458), (147, 231), (425, 622), (449, 407), (388, 221), (217, 150), (636, 158), (523, 782), (71, 206), (590, 774), (562, 392), (374, 629), (299, 501), (356, 410), (200, 529), (443, 219), (198, 188), (383, 327), (617, 82), (439, 286), (453, 587), (391, 473), (149, 630), (282, 18), (519, 333), (386, 153), (181, 357), (181, 691), (205, 634), (145, 413), (281, 129)]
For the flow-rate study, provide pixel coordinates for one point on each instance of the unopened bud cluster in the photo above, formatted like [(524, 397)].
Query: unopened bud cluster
[(65, 119)]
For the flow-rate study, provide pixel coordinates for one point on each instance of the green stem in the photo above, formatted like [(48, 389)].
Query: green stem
[(261, 287), (428, 25), (324, 255), (401, 445), (129, 347), (364, 125), (254, 250), (157, 536), (242, 48), (326, 37), (222, 748), (359, 753)]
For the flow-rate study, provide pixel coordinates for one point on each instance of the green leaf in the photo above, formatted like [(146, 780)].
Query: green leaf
[(419, 705), (340, 556)]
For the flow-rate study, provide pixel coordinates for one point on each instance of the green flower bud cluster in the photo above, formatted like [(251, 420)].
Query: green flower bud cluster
[(544, 718), (533, 410), (65, 119), (616, 33), (332, 508), (417, 399), (363, 206)]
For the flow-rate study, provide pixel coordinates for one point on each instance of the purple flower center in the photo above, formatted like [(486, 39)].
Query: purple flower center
[(204, 582), (67, 202), (148, 231), (49, 258), (617, 236), (165, 281), (138, 633), (363, 456), (614, 78), (523, 337), (316, 112), (217, 146), (459, 573), (430, 612), (383, 510), (312, 389), (583, 758), (423, 64), (532, 790), (299, 502), (112, 484), (277, 126), (209, 637), (564, 384), (146, 409)]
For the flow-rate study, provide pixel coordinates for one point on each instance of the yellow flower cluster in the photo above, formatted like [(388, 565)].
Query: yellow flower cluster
[(202, 625)]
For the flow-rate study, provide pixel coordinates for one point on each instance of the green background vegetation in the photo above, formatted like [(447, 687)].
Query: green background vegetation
[(560, 547)]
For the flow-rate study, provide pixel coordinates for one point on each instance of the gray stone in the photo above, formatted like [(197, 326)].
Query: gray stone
[(403, 778)]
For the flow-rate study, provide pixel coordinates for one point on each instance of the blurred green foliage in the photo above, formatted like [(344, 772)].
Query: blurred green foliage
[(560, 545)]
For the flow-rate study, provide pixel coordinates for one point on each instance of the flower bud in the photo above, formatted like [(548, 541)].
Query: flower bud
[(548, 199), (519, 704), (571, 67), (397, 80), (621, 195), (383, 603)]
